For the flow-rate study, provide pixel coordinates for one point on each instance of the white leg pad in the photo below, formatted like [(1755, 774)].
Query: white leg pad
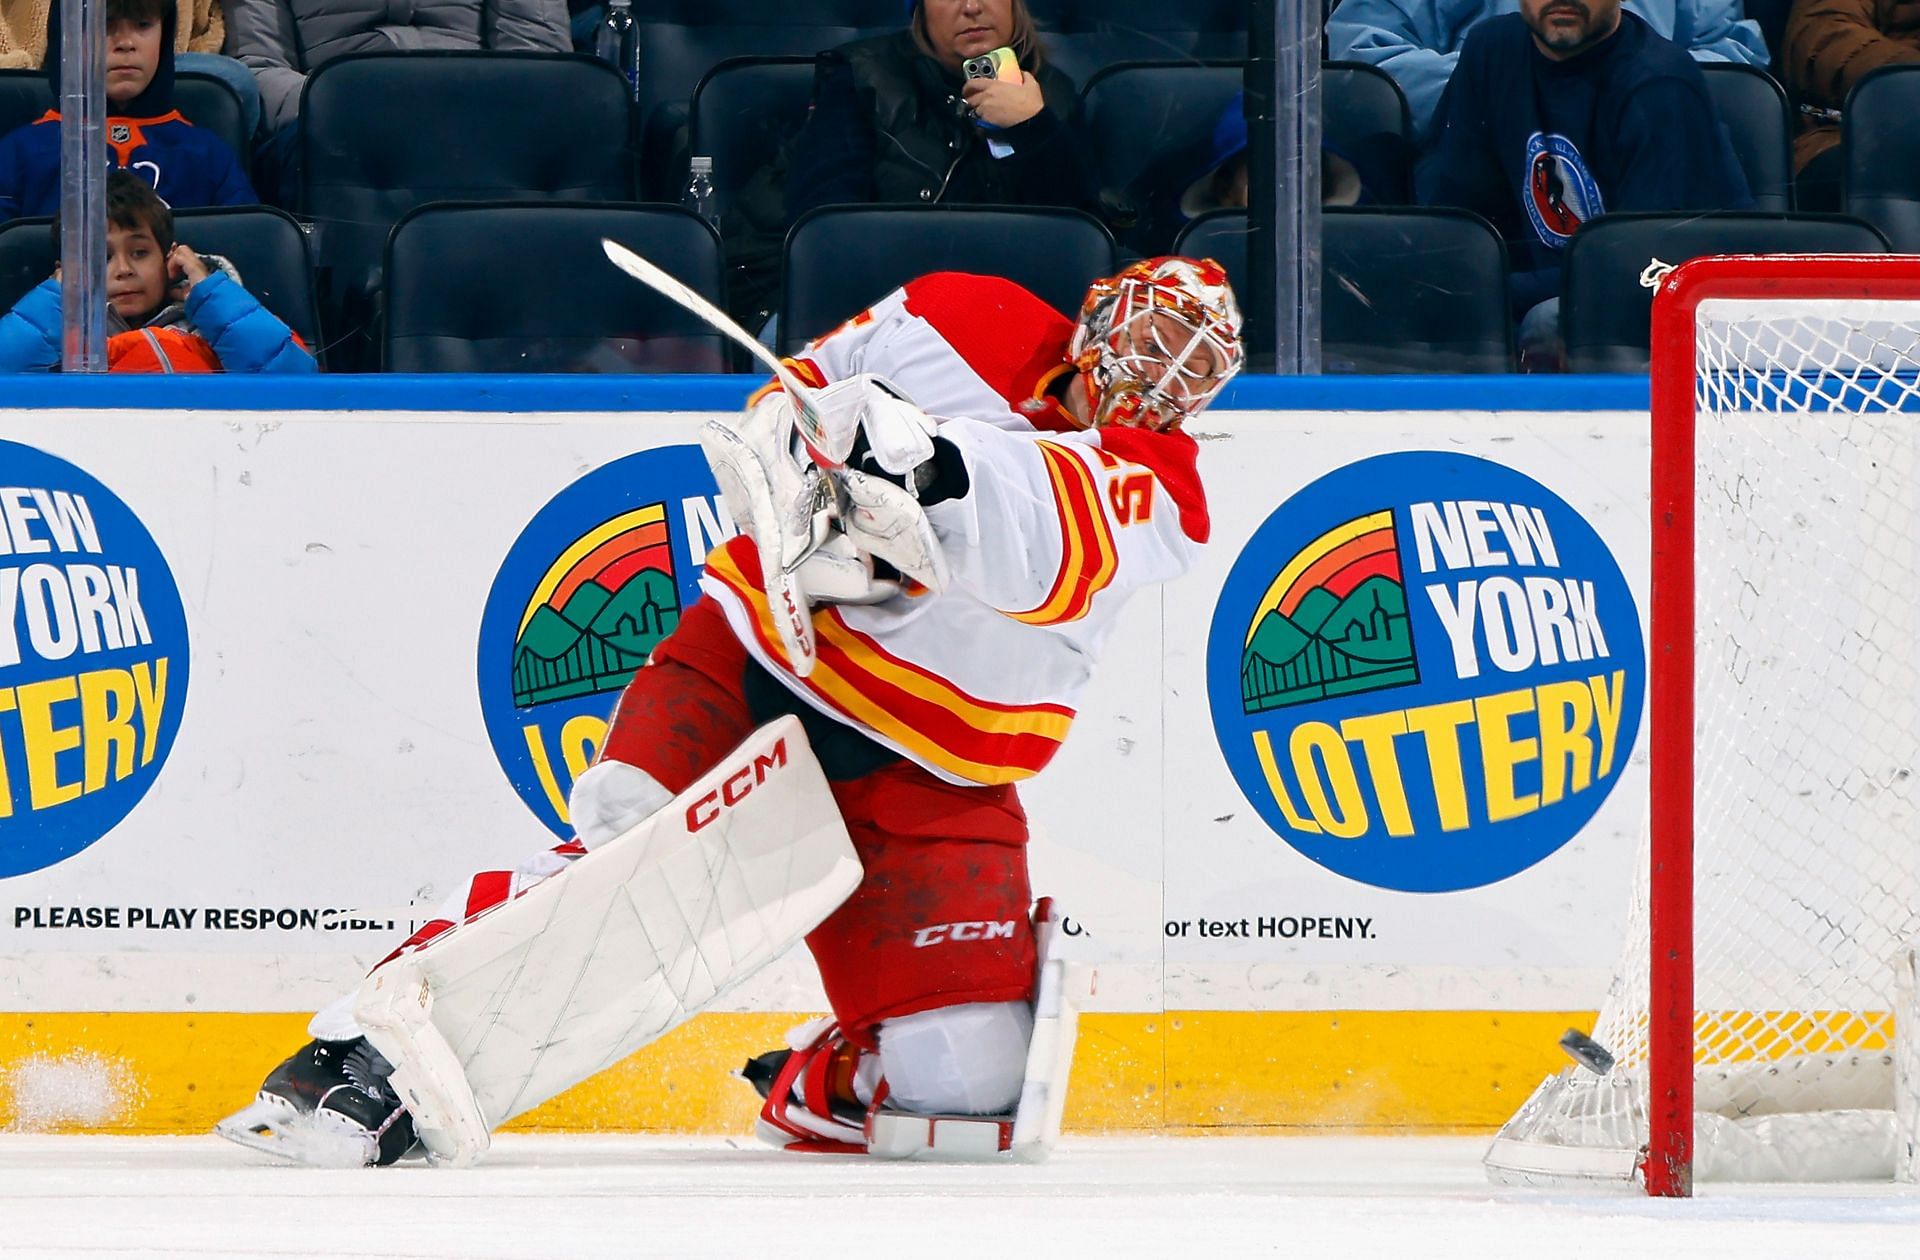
[(1029, 1133), (1064, 988), (502, 1013)]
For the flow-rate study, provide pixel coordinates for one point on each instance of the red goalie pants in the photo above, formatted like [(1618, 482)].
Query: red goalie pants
[(941, 915)]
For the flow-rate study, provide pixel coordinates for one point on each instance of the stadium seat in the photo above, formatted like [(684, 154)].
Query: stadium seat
[(551, 303), (681, 40), (266, 246), (202, 100), (1144, 120), (1363, 115), (1605, 309), (1083, 36), (477, 126), (1143, 116), (1883, 153), (1759, 122), (744, 111), (1413, 290), (841, 259)]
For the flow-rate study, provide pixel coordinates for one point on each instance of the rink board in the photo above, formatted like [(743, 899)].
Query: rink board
[(357, 710)]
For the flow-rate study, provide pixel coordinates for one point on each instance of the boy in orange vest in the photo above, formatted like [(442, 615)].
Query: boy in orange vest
[(167, 309)]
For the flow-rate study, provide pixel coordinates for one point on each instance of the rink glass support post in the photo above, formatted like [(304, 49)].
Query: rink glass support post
[(83, 179), (1281, 294)]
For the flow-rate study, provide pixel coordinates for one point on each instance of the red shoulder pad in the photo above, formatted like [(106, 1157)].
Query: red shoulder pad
[(1007, 335)]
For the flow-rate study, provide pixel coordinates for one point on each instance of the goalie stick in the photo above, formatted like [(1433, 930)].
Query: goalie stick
[(827, 449), (792, 614)]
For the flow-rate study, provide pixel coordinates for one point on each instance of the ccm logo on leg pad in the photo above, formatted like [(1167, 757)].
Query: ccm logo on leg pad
[(941, 933), (736, 787)]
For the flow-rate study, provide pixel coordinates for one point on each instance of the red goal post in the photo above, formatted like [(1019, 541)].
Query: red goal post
[(1676, 381)]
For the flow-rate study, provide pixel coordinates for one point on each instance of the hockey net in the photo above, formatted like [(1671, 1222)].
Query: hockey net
[(1769, 940)]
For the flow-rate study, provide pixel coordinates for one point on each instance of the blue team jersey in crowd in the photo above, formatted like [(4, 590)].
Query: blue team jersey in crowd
[(1541, 146), (187, 165)]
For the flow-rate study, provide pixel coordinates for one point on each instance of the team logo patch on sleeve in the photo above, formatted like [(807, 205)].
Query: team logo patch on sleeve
[(1560, 193), (1426, 672)]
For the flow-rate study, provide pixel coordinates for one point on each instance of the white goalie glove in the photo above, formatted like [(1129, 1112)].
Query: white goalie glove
[(780, 501), (879, 516), (887, 521), (837, 572), (818, 531)]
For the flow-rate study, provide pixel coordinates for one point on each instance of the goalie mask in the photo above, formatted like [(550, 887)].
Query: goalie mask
[(1157, 342)]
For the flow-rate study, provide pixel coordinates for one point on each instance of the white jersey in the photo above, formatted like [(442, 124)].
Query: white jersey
[(978, 684)]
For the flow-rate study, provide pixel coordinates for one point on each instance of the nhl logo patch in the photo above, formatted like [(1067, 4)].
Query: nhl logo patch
[(120, 133)]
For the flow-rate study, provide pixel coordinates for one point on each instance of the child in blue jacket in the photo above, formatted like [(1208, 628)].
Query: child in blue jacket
[(167, 309)]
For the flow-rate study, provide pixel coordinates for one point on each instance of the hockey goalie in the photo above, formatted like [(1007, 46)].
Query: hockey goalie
[(941, 520)]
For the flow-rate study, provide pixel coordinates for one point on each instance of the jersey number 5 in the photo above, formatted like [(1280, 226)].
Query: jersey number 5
[(1132, 497)]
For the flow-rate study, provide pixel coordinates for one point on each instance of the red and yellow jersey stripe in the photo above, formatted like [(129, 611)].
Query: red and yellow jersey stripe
[(1088, 556), (904, 704), (804, 370)]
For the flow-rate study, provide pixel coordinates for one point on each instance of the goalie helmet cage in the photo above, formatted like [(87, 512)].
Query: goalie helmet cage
[(1769, 944)]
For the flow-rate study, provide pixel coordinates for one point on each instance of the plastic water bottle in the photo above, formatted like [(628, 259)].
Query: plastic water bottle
[(617, 43), (699, 196)]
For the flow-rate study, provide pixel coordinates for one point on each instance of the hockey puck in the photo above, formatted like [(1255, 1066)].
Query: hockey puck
[(1587, 1052)]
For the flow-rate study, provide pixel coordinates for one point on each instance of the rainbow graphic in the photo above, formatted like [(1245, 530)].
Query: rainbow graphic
[(597, 610), (1332, 622)]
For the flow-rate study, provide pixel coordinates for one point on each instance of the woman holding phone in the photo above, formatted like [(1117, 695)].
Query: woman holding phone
[(896, 119)]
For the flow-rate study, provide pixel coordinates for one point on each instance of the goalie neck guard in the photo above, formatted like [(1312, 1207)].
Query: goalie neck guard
[(1157, 342)]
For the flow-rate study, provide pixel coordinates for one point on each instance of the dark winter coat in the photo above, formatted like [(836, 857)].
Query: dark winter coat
[(1830, 46), (887, 125)]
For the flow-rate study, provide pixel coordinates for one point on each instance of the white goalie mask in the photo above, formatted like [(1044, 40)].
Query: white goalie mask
[(1157, 342)]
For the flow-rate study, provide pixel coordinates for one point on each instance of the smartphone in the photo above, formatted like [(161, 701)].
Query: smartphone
[(998, 64)]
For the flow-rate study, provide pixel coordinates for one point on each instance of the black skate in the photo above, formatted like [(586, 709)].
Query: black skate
[(762, 1069), (329, 1105)]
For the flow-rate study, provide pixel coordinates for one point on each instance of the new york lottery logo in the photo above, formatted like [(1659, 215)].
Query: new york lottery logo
[(93, 660), (594, 582), (1426, 671)]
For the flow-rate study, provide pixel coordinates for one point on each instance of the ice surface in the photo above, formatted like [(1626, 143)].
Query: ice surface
[(555, 1196)]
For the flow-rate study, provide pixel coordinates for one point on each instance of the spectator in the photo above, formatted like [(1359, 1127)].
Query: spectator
[(200, 32), (185, 165), (1558, 114), (895, 120), (1830, 46), (283, 41), (167, 310), (1418, 42)]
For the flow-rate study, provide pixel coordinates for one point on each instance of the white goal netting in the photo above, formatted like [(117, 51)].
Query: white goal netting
[(1806, 743)]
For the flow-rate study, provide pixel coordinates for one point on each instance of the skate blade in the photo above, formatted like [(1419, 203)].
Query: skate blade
[(271, 1126)]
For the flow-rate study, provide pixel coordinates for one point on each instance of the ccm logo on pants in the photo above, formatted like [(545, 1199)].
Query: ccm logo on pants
[(735, 787), (941, 933)]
